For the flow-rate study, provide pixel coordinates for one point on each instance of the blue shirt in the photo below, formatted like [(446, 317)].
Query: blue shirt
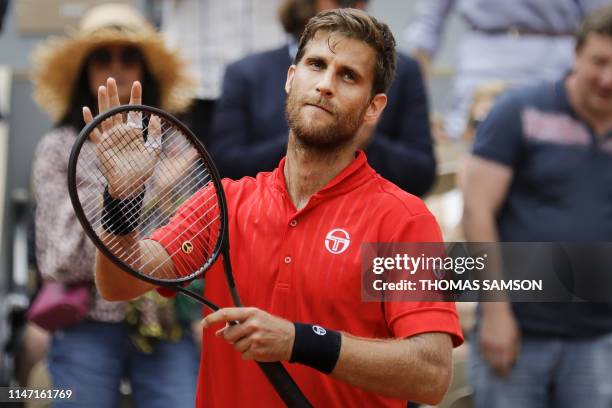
[(562, 185), (561, 190)]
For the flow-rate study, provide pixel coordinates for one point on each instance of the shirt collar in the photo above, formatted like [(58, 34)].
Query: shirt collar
[(351, 177)]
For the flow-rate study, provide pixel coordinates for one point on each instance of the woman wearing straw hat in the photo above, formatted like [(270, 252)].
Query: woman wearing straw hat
[(141, 340)]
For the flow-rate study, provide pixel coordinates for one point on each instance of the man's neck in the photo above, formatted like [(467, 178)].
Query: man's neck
[(308, 170), (601, 123)]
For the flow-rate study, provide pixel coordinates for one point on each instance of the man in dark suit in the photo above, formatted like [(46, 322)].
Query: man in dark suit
[(250, 130)]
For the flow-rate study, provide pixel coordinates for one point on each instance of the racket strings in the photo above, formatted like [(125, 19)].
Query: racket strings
[(122, 185), (208, 248), (93, 211), (115, 243), (172, 255), (135, 261), (158, 217), (174, 171)]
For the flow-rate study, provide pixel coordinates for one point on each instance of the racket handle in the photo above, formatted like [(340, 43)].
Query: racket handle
[(286, 388), (276, 373)]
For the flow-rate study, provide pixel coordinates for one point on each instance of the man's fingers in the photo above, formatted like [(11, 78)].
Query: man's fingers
[(103, 101), (136, 94), (502, 364), (226, 315), (95, 136), (243, 345), (113, 93), (500, 360), (233, 334), (103, 105), (113, 97), (87, 116)]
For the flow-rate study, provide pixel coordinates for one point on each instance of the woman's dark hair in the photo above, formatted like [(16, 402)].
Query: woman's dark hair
[(294, 14), (81, 96)]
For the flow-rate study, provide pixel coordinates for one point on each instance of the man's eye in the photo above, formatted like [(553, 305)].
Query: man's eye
[(599, 62), (316, 64), (348, 76)]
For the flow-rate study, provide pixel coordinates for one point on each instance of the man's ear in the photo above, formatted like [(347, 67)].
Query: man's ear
[(375, 108), (289, 82)]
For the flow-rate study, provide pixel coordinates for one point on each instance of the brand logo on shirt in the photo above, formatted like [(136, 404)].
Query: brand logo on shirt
[(337, 241), (187, 247), (319, 330)]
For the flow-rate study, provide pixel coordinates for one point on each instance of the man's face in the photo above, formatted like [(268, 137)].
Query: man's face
[(329, 91), (593, 74)]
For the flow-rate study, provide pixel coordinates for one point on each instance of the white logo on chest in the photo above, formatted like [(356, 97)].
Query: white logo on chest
[(337, 241)]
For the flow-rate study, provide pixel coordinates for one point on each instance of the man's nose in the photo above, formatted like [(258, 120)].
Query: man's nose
[(326, 84)]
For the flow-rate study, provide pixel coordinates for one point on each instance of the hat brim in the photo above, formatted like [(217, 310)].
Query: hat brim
[(59, 60)]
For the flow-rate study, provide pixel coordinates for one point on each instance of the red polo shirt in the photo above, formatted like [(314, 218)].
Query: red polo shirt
[(305, 266)]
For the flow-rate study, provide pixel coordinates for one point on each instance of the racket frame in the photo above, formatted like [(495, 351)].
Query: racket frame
[(222, 244)]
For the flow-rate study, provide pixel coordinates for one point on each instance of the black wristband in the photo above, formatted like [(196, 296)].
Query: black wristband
[(120, 217), (316, 347)]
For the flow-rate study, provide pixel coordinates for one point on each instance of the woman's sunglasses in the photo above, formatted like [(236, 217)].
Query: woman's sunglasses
[(128, 56)]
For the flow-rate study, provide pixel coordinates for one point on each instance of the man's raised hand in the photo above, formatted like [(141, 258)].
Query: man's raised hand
[(126, 160)]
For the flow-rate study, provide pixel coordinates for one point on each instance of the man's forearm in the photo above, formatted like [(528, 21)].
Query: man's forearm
[(415, 369), (114, 283), (479, 224)]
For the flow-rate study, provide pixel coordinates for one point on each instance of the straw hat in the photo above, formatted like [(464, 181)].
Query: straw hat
[(58, 61)]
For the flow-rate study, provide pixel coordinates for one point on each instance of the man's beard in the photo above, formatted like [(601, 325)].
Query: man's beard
[(327, 137)]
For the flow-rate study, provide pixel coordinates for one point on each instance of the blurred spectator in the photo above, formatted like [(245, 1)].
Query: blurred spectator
[(34, 348), (3, 8), (250, 129), (214, 33), (484, 98), (141, 340), (541, 171), (519, 42), (446, 200)]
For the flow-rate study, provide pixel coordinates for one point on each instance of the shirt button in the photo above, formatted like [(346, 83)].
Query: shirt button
[(293, 223), (287, 259)]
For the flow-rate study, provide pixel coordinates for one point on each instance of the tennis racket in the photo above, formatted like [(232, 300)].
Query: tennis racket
[(155, 163)]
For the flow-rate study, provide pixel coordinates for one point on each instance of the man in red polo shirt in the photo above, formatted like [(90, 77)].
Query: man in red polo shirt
[(296, 237)]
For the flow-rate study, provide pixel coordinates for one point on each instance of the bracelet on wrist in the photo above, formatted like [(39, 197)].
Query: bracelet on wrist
[(120, 217), (316, 347)]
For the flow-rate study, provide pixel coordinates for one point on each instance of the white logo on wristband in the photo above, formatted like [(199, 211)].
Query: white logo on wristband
[(319, 330)]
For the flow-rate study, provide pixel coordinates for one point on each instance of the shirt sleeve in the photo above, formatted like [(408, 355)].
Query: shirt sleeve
[(191, 237), (63, 251), (498, 138), (407, 319), (425, 32)]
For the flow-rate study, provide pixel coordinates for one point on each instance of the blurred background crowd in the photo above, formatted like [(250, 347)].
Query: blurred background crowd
[(500, 118)]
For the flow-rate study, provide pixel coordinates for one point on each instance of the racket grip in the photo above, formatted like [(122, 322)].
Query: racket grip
[(286, 388)]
